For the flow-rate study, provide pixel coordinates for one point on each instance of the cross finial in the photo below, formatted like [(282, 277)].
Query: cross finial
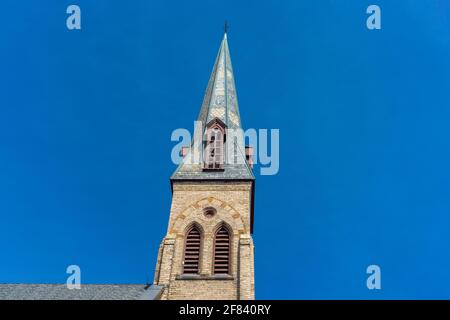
[(226, 26)]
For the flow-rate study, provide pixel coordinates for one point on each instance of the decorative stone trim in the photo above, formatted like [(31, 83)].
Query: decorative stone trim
[(204, 277), (211, 186)]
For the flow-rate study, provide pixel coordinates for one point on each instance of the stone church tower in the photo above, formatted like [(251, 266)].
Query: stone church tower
[(207, 252)]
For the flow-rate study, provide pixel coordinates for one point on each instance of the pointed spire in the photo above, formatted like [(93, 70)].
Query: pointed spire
[(220, 99), (219, 103)]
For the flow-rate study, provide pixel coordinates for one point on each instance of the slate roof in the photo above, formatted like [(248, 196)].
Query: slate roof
[(220, 99), (220, 102), (86, 292)]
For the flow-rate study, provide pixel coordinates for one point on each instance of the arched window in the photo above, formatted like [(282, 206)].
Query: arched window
[(192, 251), (222, 251), (214, 148)]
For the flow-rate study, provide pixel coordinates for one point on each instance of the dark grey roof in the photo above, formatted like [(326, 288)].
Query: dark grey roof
[(86, 292), (220, 102)]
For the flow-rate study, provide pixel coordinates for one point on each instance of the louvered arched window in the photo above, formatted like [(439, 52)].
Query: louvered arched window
[(214, 148), (192, 251), (222, 251)]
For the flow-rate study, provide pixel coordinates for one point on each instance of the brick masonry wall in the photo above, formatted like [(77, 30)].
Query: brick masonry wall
[(203, 289), (232, 202)]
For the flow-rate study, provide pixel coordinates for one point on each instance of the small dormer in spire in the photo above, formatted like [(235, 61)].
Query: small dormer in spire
[(215, 138)]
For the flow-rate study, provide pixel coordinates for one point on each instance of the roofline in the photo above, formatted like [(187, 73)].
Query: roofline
[(63, 284)]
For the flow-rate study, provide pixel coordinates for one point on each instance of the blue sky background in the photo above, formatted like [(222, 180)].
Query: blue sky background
[(86, 118)]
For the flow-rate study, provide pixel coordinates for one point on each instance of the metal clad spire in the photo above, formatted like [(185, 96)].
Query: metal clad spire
[(220, 101)]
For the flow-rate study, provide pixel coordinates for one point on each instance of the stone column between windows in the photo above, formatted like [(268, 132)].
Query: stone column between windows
[(207, 255)]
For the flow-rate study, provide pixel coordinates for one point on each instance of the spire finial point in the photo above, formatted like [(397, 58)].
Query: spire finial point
[(226, 27)]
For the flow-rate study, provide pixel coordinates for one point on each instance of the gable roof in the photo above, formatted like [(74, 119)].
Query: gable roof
[(86, 292)]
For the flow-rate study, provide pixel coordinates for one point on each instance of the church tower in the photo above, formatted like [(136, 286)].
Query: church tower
[(207, 252)]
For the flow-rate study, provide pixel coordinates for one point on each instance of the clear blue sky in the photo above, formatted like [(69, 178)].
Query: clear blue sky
[(86, 118)]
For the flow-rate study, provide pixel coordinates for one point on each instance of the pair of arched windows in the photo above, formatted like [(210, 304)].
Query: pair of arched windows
[(221, 253)]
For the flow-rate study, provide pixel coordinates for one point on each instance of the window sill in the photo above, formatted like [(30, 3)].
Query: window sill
[(204, 277)]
